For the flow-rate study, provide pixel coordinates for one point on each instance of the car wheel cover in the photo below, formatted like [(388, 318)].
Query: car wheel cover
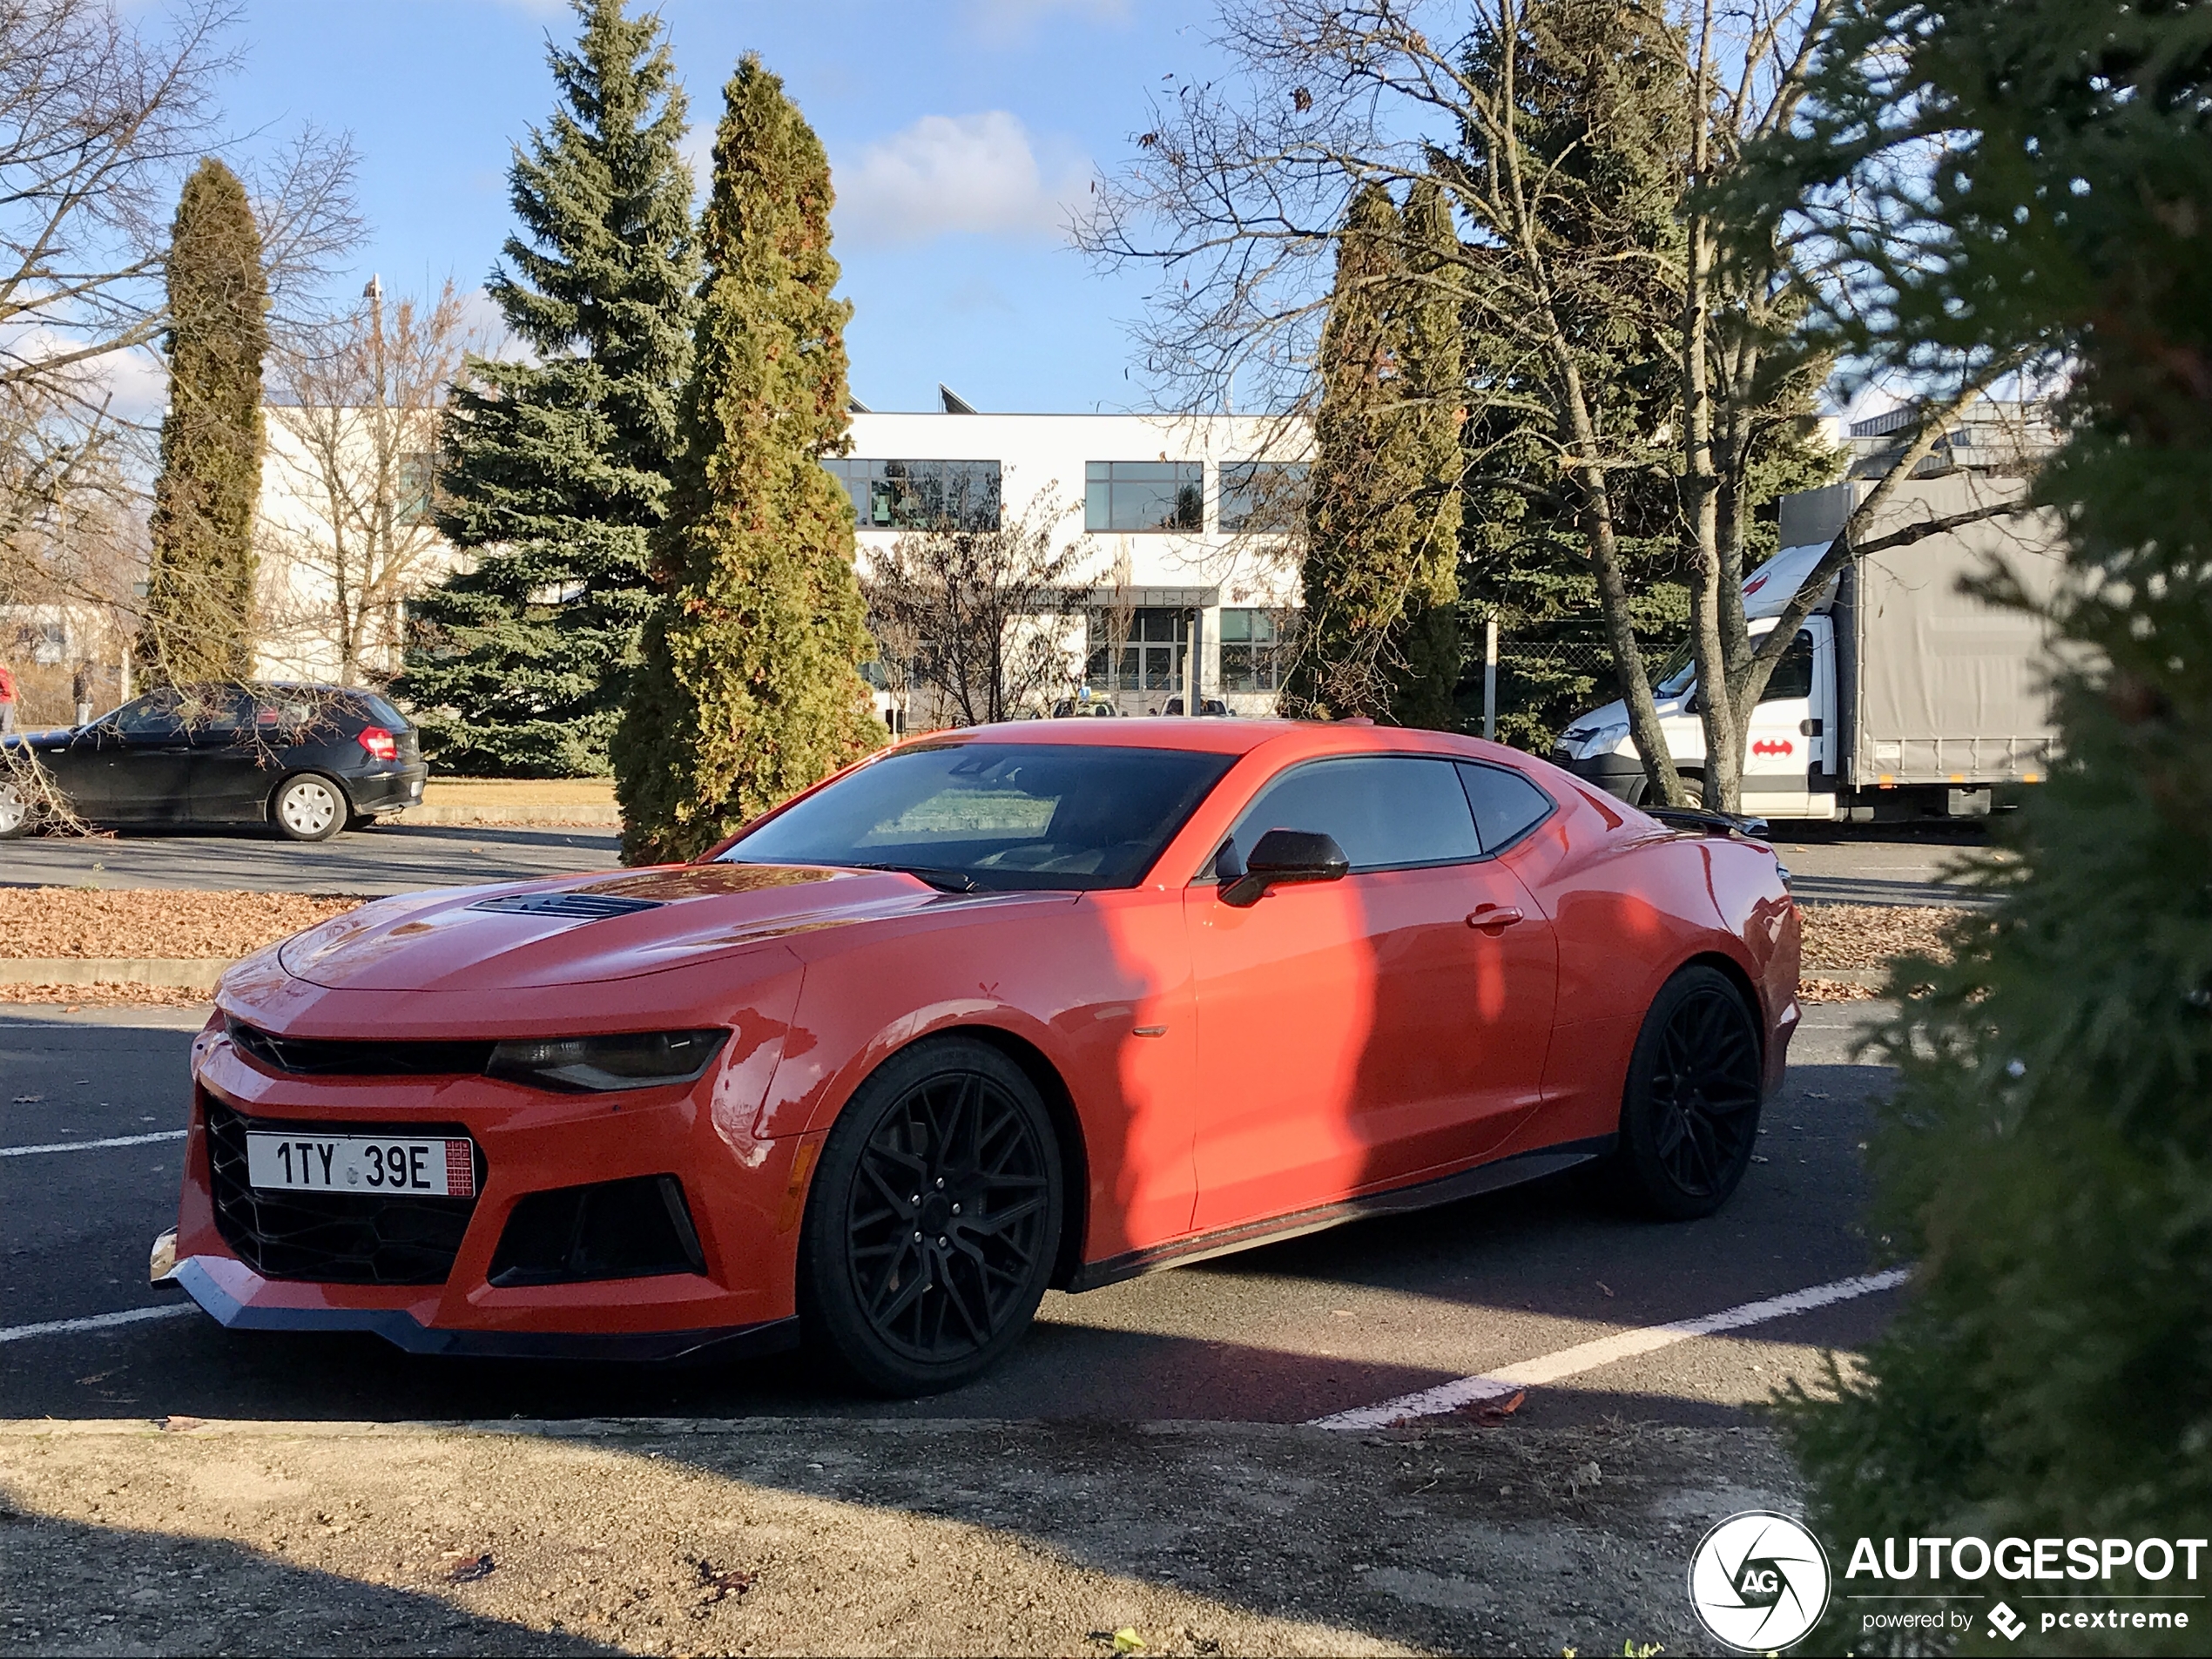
[(1704, 1090), (935, 1283), (308, 806), (12, 809)]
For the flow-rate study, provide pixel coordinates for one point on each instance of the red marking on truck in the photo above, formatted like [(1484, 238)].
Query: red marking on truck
[(1768, 747)]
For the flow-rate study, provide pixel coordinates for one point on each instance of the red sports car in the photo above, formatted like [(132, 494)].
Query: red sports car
[(1034, 1005)]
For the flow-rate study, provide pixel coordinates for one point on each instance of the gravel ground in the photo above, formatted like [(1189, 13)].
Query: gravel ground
[(81, 922), (923, 1538)]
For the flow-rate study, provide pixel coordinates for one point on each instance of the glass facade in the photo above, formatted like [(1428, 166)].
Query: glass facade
[(1253, 654), (1138, 650), (1262, 494), (920, 495), (1144, 495)]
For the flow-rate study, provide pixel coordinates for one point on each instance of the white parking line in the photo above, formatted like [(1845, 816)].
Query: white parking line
[(90, 1146), (97, 1322), (1588, 1355)]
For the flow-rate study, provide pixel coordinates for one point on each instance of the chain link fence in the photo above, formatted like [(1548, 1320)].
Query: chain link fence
[(1543, 685)]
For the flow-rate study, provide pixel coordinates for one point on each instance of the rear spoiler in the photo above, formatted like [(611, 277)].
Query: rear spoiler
[(1709, 823)]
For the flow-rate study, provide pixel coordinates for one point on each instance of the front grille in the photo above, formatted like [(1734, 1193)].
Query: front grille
[(333, 1238), (322, 1058), (583, 906)]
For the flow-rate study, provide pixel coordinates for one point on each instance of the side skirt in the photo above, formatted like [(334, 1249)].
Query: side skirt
[(1422, 1195)]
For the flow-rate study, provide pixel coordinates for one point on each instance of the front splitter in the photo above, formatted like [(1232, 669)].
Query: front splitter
[(402, 1330)]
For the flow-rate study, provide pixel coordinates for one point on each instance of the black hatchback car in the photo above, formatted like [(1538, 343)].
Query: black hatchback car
[(310, 759)]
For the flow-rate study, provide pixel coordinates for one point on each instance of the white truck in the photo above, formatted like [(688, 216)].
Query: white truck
[(1901, 697)]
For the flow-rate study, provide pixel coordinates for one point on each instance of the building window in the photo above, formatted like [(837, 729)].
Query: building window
[(418, 470), (1144, 495), (920, 495), (1252, 655), (1138, 650), (1262, 494)]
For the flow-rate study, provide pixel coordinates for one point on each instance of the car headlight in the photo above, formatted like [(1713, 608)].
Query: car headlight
[(1602, 739), (600, 1065)]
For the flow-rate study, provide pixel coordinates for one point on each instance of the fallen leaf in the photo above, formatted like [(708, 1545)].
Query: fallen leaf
[(29, 1100), (177, 1423), (469, 1569), (1602, 1285), (718, 1584), (1127, 1640), (1491, 1416)]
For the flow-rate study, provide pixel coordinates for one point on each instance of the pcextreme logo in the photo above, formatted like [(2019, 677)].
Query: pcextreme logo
[(1759, 1581)]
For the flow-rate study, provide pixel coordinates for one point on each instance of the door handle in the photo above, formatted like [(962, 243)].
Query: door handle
[(1493, 918)]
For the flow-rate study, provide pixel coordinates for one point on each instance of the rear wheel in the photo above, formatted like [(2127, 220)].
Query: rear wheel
[(932, 1221), (14, 810), (1691, 1112), (309, 807)]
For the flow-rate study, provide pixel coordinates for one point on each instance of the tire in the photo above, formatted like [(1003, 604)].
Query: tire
[(895, 1288), (15, 811), (309, 807), (1689, 1114), (361, 821), (1693, 790)]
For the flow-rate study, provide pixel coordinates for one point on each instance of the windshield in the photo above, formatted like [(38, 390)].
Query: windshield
[(991, 815)]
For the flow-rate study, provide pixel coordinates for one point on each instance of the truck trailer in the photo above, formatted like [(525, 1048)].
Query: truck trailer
[(1902, 695)]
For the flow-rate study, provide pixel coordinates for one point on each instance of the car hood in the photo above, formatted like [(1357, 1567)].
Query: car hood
[(519, 935)]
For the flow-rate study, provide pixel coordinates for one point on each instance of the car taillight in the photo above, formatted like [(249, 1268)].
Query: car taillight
[(381, 743)]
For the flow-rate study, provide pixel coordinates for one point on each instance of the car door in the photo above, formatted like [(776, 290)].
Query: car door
[(1363, 1031), (1778, 747), (234, 756), (141, 772)]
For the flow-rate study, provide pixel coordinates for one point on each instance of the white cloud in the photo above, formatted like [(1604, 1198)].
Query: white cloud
[(957, 173)]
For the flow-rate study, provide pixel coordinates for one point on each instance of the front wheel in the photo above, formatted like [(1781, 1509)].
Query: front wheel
[(1691, 1112), (932, 1221), (14, 810), (309, 807)]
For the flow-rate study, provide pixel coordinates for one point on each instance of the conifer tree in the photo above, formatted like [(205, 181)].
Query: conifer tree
[(2046, 1160), (199, 588), (1426, 670), (1364, 518), (751, 688), (559, 467)]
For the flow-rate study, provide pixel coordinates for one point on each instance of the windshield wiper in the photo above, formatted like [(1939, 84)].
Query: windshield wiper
[(943, 880)]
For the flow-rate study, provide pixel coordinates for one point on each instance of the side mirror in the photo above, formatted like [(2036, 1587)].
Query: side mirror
[(1285, 856)]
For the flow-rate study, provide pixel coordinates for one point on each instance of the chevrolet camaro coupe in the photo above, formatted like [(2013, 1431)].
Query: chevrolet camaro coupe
[(1024, 1006)]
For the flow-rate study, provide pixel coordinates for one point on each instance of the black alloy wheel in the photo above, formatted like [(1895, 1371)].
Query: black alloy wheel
[(1690, 1114), (933, 1223)]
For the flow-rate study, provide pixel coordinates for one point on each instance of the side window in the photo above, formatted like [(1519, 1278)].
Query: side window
[(1793, 674), (157, 715), (1506, 806), (1385, 810)]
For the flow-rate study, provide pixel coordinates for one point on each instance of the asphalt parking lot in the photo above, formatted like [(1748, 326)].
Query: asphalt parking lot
[(90, 1162)]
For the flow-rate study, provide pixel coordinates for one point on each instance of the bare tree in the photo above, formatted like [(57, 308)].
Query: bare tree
[(346, 532), (1237, 193), (980, 617)]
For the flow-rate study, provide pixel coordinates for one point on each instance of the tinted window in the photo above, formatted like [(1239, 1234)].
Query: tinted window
[(159, 715), (382, 713), (996, 814), (1793, 674), (1385, 811), (1506, 806)]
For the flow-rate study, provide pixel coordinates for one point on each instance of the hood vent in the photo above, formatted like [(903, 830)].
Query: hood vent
[(581, 907)]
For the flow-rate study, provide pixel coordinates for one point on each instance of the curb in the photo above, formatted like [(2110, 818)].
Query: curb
[(512, 817), (184, 974)]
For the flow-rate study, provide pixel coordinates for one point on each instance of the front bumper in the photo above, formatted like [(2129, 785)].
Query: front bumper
[(744, 1194), (1620, 776)]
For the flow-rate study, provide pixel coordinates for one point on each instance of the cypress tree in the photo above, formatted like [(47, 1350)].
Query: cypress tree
[(751, 688), (199, 588), (1426, 678), (559, 467), (1363, 501), (2046, 1160)]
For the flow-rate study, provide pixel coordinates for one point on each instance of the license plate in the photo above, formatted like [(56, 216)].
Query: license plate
[(374, 1164)]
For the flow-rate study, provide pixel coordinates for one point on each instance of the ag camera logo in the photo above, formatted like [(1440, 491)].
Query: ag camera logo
[(1759, 1581)]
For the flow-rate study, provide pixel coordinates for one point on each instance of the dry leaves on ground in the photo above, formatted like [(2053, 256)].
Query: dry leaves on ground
[(1866, 935), (107, 993), (139, 922)]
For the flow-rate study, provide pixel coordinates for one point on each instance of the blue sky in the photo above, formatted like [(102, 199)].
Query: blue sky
[(959, 133)]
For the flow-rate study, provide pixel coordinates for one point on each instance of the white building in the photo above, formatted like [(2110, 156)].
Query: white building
[(1185, 527)]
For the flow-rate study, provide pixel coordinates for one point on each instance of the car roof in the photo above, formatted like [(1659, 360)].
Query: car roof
[(1212, 734)]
